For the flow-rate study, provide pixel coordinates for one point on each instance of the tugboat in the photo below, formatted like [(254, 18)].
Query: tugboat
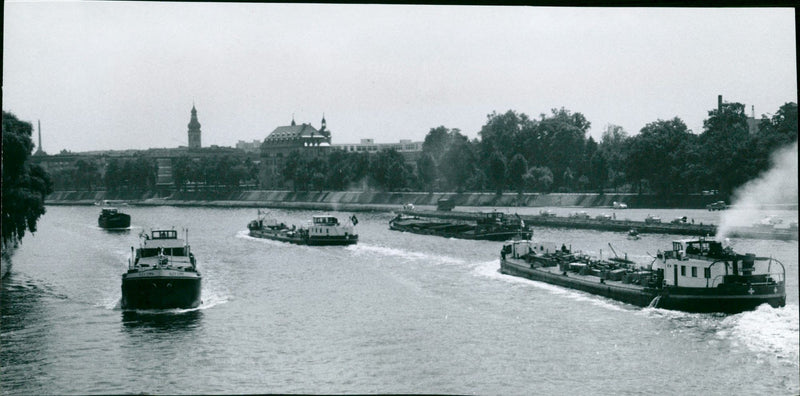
[(696, 275), (492, 226), (162, 274), (111, 218), (323, 230)]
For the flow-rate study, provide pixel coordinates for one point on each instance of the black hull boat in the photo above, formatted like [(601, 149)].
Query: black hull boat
[(111, 218), (162, 274), (492, 227), (726, 282), (161, 292), (324, 230)]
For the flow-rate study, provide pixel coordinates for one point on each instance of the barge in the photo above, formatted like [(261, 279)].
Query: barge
[(491, 226), (323, 230), (695, 275), (162, 274), (112, 218)]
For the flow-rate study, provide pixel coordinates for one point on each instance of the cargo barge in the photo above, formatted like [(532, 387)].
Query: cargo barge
[(162, 274), (695, 275), (490, 226), (323, 230), (549, 219)]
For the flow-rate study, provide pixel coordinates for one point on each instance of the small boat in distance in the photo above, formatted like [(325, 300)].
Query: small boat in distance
[(323, 230), (696, 275), (493, 226), (162, 273), (634, 235), (112, 218)]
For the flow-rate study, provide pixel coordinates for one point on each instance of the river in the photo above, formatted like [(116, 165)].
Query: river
[(396, 313)]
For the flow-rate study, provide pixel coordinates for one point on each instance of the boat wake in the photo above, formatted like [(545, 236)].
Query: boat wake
[(770, 333), (491, 269), (245, 234), (406, 255), (766, 331)]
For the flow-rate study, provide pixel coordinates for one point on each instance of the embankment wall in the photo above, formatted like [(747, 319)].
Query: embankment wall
[(264, 198)]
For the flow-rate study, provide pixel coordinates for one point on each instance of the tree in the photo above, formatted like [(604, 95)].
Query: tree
[(516, 170), (426, 170), (659, 154), (458, 163), (497, 171), (389, 170), (725, 135), (562, 137), (25, 185)]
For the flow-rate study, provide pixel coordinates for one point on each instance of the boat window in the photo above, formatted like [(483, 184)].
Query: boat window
[(683, 270), (694, 272)]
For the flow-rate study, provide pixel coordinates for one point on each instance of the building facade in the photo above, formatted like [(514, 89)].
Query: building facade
[(303, 138)]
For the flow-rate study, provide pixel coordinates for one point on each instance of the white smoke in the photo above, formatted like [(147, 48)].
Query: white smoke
[(775, 188)]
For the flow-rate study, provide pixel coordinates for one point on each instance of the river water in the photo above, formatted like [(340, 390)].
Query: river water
[(397, 313)]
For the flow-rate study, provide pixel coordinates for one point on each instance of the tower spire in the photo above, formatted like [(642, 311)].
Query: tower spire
[(39, 150)]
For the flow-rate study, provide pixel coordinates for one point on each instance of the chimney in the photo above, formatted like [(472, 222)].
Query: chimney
[(719, 104)]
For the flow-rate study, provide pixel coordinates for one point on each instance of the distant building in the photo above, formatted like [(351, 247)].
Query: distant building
[(303, 138), (408, 149), (194, 131), (249, 147)]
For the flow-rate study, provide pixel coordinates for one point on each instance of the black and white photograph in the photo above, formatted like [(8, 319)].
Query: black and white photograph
[(318, 198)]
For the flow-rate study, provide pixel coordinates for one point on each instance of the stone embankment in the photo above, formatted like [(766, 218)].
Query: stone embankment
[(335, 199)]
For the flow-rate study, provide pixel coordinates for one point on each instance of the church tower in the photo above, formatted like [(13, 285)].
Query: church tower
[(194, 131)]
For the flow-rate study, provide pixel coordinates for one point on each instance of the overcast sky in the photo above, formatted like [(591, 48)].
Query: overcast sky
[(102, 75)]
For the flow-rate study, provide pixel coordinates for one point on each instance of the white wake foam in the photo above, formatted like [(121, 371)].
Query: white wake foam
[(404, 254), (767, 330)]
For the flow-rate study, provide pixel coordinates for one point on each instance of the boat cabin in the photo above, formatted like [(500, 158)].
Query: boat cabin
[(324, 220), (163, 242), (705, 263), (109, 211)]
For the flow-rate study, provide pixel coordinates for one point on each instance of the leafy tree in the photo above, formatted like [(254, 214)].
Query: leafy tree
[(659, 153), (458, 163), (539, 178), (389, 170), (516, 170), (426, 170), (113, 175), (725, 135), (562, 136), (25, 185), (612, 146), (497, 171)]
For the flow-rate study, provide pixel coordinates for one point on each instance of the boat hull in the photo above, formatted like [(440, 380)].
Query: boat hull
[(461, 232), (312, 240), (160, 292), (725, 300), (120, 220)]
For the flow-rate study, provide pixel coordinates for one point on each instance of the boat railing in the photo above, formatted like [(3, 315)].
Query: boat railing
[(770, 276)]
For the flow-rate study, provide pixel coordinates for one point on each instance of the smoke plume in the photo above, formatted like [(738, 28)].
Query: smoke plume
[(775, 188)]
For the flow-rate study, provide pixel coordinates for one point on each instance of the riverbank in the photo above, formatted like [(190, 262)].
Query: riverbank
[(367, 200)]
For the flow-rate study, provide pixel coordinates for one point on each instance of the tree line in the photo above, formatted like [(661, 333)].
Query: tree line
[(25, 184), (513, 152), (553, 153)]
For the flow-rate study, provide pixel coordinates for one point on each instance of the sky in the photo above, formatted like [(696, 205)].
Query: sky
[(124, 75)]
